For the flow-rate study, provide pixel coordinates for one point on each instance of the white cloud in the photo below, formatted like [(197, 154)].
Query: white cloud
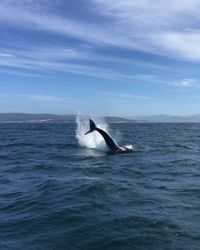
[(5, 55), (185, 83), (183, 44)]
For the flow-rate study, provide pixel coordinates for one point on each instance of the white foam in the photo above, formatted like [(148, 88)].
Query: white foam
[(93, 140), (130, 147)]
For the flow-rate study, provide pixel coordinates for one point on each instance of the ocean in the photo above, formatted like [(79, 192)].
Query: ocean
[(61, 190)]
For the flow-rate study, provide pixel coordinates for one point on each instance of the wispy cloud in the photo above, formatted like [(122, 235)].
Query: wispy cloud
[(39, 62), (65, 60), (47, 98), (40, 20), (40, 65), (53, 53), (126, 96), (164, 28), (22, 73)]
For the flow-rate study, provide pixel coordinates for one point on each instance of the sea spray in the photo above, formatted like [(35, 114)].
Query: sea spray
[(93, 140)]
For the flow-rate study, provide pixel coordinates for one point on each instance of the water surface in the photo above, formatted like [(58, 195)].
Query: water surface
[(55, 194)]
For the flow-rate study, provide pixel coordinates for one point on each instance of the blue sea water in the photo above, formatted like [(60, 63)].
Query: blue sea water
[(55, 194)]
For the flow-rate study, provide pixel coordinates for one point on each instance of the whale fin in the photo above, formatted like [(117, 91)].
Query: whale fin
[(92, 127)]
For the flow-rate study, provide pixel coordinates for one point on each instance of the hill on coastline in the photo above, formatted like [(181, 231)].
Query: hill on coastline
[(53, 118)]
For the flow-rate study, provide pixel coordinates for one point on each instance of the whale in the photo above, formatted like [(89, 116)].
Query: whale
[(111, 144)]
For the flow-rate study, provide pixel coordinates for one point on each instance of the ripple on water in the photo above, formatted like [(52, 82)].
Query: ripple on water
[(57, 195)]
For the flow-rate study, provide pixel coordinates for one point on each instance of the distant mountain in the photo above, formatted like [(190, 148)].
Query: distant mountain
[(169, 118), (31, 118), (51, 118), (112, 119)]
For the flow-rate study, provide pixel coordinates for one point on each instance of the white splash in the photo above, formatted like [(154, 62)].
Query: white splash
[(93, 140), (130, 147)]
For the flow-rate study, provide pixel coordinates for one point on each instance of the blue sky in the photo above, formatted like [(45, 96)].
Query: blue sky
[(100, 57)]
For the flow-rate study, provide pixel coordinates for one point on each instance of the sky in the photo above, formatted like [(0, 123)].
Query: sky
[(100, 57)]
